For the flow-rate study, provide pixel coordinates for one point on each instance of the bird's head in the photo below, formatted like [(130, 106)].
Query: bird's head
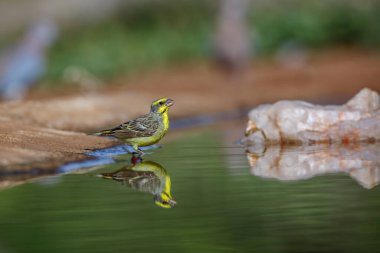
[(161, 105), (164, 200)]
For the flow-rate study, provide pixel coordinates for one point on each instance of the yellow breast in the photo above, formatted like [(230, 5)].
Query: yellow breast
[(165, 122)]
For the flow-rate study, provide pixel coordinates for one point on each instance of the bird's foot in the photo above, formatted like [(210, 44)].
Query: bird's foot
[(139, 153)]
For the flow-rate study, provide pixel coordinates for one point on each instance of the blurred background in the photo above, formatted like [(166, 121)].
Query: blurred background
[(92, 43)]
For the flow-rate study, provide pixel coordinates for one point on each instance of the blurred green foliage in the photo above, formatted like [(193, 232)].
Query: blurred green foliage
[(148, 35), (316, 26), (156, 33)]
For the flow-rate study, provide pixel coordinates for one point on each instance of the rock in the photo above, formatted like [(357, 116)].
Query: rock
[(300, 122), (361, 162)]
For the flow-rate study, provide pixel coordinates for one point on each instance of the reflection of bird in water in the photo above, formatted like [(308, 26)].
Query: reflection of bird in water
[(145, 130), (146, 176), (23, 66)]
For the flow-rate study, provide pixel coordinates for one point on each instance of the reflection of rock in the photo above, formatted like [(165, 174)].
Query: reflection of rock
[(302, 162), (367, 177), (301, 122), (146, 176)]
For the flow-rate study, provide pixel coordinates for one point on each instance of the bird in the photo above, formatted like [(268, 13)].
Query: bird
[(145, 176), (145, 130)]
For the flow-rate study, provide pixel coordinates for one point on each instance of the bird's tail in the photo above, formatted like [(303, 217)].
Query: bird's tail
[(103, 133), (105, 175)]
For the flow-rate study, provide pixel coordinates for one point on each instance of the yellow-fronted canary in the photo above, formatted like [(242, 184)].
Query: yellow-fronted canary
[(145, 130)]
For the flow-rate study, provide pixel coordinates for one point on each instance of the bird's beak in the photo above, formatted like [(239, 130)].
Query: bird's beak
[(172, 202), (169, 102), (166, 204)]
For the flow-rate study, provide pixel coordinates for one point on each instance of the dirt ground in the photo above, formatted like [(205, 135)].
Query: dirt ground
[(48, 125)]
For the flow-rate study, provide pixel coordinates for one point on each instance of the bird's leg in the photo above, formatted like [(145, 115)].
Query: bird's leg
[(139, 152)]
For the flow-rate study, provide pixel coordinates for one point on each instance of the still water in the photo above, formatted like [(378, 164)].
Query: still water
[(201, 193)]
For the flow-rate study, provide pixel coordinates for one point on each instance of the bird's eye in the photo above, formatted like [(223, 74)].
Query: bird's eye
[(161, 103)]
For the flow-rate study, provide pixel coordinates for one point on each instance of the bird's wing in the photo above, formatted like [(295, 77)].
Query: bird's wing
[(147, 182), (143, 126)]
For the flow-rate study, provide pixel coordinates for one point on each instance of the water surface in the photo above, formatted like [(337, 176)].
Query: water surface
[(222, 206)]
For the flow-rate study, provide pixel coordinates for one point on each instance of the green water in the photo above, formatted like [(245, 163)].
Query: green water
[(220, 207)]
